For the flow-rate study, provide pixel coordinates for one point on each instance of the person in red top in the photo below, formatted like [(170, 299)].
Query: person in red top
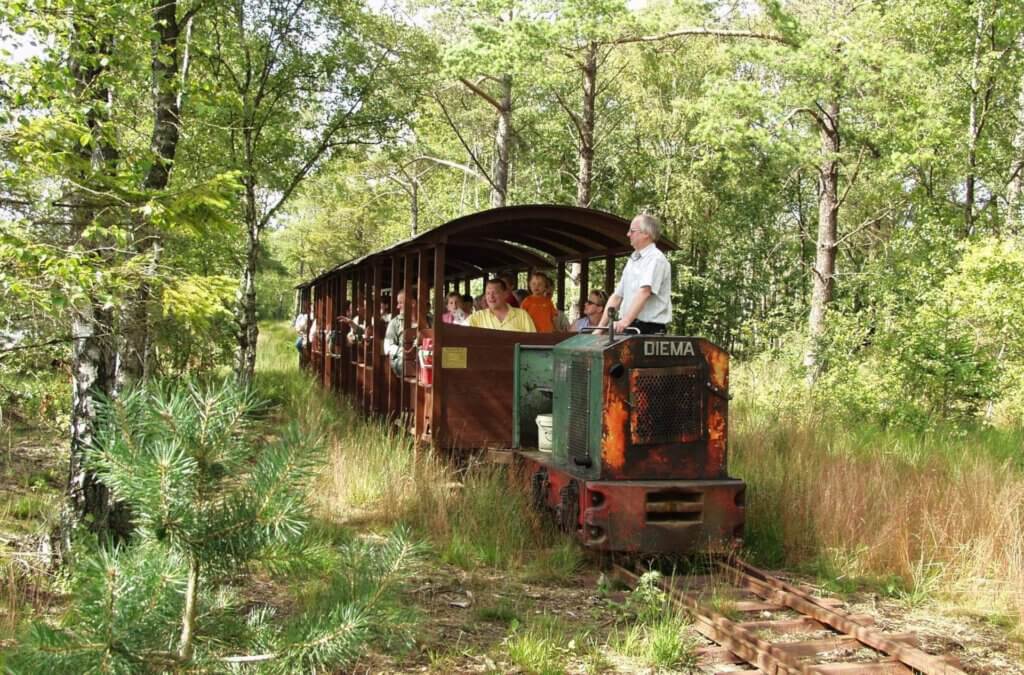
[(538, 305), (510, 283)]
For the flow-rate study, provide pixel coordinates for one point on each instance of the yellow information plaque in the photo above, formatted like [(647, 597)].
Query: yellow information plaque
[(453, 357)]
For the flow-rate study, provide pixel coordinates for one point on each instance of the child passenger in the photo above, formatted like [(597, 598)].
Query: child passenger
[(538, 305), (455, 313)]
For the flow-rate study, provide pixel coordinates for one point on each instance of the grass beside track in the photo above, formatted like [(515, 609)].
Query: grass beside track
[(937, 515), (473, 516)]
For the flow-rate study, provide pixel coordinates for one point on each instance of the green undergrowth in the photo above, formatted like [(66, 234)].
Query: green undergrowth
[(218, 494)]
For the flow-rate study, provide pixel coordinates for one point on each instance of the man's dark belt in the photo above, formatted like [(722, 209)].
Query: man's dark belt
[(648, 327)]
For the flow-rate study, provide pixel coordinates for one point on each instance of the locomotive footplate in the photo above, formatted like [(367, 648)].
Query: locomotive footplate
[(649, 516)]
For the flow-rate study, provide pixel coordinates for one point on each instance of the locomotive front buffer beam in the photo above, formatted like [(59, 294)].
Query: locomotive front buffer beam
[(649, 517)]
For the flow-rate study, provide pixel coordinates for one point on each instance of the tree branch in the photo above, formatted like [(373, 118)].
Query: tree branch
[(482, 94), (703, 32), (571, 113), (458, 134), (853, 178), (792, 113), (867, 223), (454, 165)]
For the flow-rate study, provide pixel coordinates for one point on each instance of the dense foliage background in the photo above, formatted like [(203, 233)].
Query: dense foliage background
[(311, 131)]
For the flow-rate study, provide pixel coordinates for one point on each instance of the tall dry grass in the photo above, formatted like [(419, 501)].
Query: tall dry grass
[(941, 514), (477, 514)]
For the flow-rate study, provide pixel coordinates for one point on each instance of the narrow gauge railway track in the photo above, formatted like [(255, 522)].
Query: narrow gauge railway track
[(835, 631)]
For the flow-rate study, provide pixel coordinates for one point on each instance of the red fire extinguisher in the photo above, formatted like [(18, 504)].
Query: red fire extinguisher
[(426, 360)]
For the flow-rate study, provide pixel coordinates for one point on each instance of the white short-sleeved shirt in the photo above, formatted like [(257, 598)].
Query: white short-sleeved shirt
[(647, 267)]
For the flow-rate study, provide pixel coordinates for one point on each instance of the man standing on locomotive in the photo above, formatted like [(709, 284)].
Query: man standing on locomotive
[(645, 290), (499, 315)]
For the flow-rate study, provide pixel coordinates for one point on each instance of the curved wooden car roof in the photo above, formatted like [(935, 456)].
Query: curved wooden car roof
[(513, 237)]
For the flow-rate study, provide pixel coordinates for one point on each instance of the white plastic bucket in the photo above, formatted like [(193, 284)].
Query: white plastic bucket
[(544, 433)]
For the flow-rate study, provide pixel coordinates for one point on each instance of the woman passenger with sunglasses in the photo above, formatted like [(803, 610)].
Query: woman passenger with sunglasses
[(592, 310)]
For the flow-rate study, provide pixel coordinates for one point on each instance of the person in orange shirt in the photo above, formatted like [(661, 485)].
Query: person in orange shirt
[(538, 305)]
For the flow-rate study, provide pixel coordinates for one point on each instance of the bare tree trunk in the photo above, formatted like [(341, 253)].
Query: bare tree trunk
[(94, 351), (248, 328), (94, 375), (973, 126), (585, 177), (502, 143), (414, 207), (823, 273), (166, 88), (1015, 190)]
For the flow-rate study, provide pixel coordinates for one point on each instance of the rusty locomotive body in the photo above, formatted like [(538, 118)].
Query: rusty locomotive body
[(639, 424)]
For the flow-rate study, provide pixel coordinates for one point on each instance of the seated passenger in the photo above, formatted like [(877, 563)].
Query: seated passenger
[(454, 314), (592, 310), (467, 306), (499, 315), (355, 326), (394, 336), (538, 304), (511, 281)]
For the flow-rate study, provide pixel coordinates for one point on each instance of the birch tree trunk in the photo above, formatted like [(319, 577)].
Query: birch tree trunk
[(248, 328), (823, 273), (94, 351), (585, 177), (502, 143), (164, 144), (973, 125), (1015, 190)]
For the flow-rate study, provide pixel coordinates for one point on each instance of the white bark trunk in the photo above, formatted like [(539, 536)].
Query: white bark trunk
[(1015, 190), (502, 144), (585, 178), (823, 273)]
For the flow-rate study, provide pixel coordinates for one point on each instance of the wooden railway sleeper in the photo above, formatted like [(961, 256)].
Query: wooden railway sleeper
[(745, 644), (779, 591), (904, 658)]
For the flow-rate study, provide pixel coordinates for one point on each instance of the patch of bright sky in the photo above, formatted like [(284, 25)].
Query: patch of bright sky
[(19, 48)]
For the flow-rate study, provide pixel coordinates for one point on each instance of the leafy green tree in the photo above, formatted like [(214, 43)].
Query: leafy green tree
[(86, 184), (289, 83)]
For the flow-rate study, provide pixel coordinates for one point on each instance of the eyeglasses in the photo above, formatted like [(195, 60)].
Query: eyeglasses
[(596, 304)]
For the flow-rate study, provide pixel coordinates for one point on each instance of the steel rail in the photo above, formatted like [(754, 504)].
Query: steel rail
[(770, 587), (901, 656)]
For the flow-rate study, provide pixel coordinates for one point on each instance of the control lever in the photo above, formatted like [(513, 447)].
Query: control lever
[(613, 315)]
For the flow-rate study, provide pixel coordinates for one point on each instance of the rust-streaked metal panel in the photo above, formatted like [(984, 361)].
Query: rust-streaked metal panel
[(670, 517), (648, 431)]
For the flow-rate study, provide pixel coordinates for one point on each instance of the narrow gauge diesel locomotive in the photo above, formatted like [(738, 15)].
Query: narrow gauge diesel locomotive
[(638, 441), (639, 423)]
